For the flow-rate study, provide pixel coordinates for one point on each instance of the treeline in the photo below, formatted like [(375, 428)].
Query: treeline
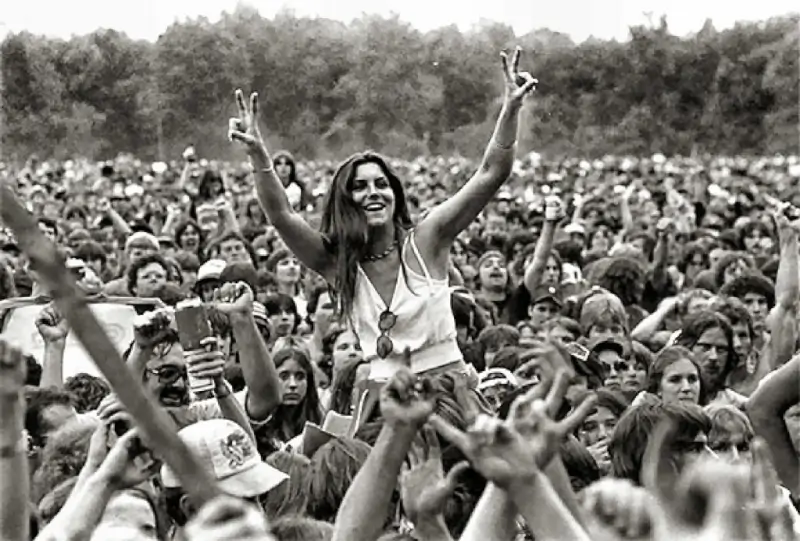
[(328, 88)]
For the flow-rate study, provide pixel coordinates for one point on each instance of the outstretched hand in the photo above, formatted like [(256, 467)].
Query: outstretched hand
[(424, 488), (514, 450), (518, 83), (407, 400), (244, 128)]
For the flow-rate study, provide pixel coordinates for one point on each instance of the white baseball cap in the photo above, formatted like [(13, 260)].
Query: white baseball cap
[(228, 453)]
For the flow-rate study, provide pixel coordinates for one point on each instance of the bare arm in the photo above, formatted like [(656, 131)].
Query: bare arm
[(301, 239), (782, 321), (446, 221), (660, 257), (261, 378), (625, 208), (366, 504), (53, 364), (545, 513), (766, 408), (230, 407), (650, 325), (81, 514), (534, 271), (494, 517), (120, 225)]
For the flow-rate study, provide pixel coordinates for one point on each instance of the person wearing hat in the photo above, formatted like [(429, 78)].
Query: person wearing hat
[(546, 304), (229, 454), (208, 278), (612, 354)]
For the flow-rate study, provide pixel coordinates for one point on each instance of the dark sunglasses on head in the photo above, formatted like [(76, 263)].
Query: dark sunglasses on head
[(384, 345)]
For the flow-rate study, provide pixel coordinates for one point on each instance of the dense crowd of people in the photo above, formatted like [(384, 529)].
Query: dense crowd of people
[(444, 348)]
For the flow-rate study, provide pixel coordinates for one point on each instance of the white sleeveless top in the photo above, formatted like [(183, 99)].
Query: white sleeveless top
[(424, 324)]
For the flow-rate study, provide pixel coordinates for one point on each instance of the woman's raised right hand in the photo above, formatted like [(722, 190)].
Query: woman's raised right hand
[(244, 128)]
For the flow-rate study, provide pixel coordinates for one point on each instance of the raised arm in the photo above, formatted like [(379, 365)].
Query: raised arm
[(260, 376), (53, 330), (782, 321), (766, 408), (405, 405), (533, 272), (446, 221), (300, 237)]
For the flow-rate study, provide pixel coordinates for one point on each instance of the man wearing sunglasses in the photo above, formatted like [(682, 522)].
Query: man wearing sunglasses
[(165, 369)]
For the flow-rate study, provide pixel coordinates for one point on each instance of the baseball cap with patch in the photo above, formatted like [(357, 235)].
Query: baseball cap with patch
[(546, 293), (228, 453)]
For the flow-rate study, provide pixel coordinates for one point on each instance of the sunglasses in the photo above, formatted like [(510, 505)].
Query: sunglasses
[(619, 366), (169, 373), (384, 345)]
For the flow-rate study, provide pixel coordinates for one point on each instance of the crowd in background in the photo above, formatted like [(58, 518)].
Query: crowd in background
[(666, 288)]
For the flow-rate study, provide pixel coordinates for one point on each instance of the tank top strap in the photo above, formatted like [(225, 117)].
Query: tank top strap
[(411, 242)]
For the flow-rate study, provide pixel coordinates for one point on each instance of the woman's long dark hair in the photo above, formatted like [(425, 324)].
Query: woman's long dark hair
[(289, 421), (344, 225)]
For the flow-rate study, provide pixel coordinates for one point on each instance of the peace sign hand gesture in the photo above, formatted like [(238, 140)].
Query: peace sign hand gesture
[(518, 83), (244, 128)]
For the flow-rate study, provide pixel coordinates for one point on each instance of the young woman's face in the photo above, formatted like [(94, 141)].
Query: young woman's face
[(711, 351), (552, 272), (287, 271), (680, 383), (283, 166), (598, 426), (294, 382), (190, 239), (599, 242), (372, 192), (346, 351)]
